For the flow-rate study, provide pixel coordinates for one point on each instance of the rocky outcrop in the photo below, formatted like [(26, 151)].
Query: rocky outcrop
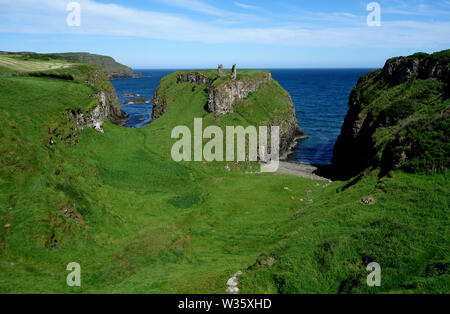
[(290, 132), (354, 148), (223, 97), (160, 105), (399, 70), (383, 133), (225, 94), (93, 118), (104, 105), (98, 79), (234, 72), (195, 78)]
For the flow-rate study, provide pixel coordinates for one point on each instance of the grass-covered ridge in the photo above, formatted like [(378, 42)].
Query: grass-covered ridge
[(399, 117), (28, 62), (137, 222)]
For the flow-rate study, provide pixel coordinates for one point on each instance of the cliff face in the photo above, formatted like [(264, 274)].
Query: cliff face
[(226, 95), (223, 97), (398, 117), (88, 69), (92, 118), (104, 104), (402, 69), (107, 97)]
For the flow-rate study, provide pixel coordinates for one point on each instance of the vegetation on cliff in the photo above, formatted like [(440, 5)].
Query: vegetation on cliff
[(399, 118), (253, 99), (37, 65)]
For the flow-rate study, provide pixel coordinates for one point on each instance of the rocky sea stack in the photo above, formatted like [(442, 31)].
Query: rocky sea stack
[(228, 94)]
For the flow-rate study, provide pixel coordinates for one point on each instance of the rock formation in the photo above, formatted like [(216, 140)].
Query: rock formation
[(221, 73), (94, 118), (233, 72), (224, 96), (195, 78), (99, 80), (399, 70), (382, 119)]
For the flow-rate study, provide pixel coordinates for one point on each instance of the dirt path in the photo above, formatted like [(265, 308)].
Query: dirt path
[(299, 170)]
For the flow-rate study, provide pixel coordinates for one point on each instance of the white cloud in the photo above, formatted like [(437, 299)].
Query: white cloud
[(49, 17), (246, 6), (196, 5)]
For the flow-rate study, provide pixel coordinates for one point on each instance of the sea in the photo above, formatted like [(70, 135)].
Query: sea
[(320, 97)]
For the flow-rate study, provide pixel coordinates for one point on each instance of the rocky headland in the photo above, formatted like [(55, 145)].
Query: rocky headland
[(225, 93), (398, 118)]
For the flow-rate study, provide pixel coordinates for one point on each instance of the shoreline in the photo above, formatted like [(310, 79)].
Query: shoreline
[(294, 143)]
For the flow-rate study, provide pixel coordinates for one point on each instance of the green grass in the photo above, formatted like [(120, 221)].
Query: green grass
[(24, 65), (409, 123), (137, 222), (332, 240)]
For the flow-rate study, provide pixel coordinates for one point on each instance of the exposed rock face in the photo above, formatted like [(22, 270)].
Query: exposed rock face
[(400, 70), (195, 78), (94, 118), (233, 72), (99, 80), (290, 132), (222, 98), (108, 106), (159, 105), (356, 148)]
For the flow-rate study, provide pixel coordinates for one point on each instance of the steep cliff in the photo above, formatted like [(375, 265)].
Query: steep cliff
[(222, 97), (253, 96), (103, 105), (106, 95), (55, 67), (398, 118)]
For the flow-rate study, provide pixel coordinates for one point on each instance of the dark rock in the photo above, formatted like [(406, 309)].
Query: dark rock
[(399, 70), (137, 100)]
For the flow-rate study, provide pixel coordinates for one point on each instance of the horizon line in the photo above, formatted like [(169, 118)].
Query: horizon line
[(257, 68)]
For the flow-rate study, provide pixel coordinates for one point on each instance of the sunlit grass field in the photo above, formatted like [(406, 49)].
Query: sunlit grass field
[(19, 64)]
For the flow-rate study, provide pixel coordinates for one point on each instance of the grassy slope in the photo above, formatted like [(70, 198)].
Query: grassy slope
[(139, 222), (28, 62), (18, 63), (269, 104)]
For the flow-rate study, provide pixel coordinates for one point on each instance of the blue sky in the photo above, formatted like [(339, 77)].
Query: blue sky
[(251, 33)]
